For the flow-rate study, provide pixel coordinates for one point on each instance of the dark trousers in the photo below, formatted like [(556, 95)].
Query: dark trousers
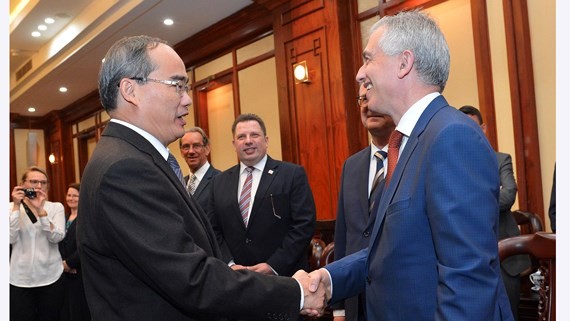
[(40, 303), (513, 288)]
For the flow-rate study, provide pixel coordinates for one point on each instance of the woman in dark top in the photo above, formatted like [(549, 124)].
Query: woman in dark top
[(75, 305)]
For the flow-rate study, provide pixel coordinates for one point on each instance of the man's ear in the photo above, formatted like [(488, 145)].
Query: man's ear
[(127, 90), (406, 63)]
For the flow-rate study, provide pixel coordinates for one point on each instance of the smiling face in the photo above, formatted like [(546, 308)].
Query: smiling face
[(72, 198), (379, 125), (161, 109), (193, 150), (249, 142), (379, 75)]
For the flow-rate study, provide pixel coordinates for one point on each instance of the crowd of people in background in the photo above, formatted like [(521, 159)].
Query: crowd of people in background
[(146, 243)]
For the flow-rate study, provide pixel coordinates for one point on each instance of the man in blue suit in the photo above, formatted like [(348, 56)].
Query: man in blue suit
[(433, 252), (361, 181)]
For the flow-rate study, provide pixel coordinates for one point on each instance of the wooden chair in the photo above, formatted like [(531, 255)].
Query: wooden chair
[(528, 222), (328, 254), (316, 248), (541, 247)]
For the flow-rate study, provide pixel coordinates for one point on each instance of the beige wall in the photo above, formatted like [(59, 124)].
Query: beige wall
[(21, 144), (542, 22)]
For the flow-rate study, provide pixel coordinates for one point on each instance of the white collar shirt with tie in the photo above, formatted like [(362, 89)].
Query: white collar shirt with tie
[(256, 178), (372, 167), (199, 175)]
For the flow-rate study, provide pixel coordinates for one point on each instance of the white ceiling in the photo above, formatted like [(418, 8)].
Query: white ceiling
[(69, 53)]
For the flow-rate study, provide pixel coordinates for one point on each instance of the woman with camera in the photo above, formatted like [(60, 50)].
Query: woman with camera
[(36, 227)]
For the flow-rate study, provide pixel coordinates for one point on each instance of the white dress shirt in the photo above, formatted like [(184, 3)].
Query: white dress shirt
[(35, 259)]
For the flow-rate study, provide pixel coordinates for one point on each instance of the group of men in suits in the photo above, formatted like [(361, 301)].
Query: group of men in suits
[(432, 253), (147, 249), (280, 217), (150, 252)]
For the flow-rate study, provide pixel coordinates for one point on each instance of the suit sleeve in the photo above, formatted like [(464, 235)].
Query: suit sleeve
[(151, 230), (508, 185), (301, 228), (462, 209)]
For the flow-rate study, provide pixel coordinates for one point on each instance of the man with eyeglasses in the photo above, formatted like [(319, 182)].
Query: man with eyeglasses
[(147, 250), (361, 184), (36, 227), (195, 148)]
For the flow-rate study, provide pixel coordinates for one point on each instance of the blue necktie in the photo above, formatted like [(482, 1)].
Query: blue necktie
[(175, 167)]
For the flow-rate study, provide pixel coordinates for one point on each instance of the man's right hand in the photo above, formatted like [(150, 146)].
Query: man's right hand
[(315, 295)]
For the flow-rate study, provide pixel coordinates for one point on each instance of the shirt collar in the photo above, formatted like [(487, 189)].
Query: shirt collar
[(259, 166), (151, 139), (413, 114)]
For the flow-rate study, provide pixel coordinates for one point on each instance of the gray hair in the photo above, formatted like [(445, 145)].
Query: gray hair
[(196, 129), (127, 58), (416, 31)]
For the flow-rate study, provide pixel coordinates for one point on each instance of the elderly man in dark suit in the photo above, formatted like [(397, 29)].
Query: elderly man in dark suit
[(361, 183), (195, 148), (511, 267), (262, 209), (147, 249)]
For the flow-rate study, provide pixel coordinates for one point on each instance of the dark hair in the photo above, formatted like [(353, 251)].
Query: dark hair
[(249, 117), (127, 58), (205, 139), (470, 110), (74, 186), (34, 169)]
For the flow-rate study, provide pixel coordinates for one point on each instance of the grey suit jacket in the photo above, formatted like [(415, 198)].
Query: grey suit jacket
[(353, 221), (149, 253), (513, 265)]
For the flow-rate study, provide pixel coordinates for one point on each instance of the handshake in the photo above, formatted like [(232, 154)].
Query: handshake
[(316, 290)]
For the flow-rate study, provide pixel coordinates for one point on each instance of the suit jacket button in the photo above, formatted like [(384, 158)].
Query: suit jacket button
[(366, 234), (368, 280)]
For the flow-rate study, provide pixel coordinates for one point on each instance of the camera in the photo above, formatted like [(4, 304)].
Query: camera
[(29, 192)]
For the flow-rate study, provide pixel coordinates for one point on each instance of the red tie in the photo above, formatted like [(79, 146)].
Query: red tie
[(393, 152)]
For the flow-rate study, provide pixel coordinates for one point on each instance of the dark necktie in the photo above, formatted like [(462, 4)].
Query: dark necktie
[(175, 167), (378, 178), (245, 196), (393, 153)]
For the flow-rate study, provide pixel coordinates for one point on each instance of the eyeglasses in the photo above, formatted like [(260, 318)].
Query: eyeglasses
[(361, 100), (196, 147), (181, 85), (35, 182)]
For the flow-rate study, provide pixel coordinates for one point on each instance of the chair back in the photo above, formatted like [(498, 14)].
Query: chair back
[(542, 247), (528, 222)]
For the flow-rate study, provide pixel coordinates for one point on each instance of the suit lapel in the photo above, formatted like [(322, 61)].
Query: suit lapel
[(362, 183), (143, 145), (204, 182), (390, 190)]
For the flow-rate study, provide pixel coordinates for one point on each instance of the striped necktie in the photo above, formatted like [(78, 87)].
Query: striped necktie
[(380, 155), (175, 167), (245, 197)]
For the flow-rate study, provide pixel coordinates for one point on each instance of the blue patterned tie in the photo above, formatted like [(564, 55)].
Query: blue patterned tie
[(175, 167)]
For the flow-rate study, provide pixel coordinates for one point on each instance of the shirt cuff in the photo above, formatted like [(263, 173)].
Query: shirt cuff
[(302, 295), (330, 279), (338, 313)]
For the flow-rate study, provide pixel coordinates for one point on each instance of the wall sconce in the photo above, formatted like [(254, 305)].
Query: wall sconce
[(51, 159), (301, 72)]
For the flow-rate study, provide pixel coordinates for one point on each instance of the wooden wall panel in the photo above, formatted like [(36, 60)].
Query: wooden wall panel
[(309, 107)]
